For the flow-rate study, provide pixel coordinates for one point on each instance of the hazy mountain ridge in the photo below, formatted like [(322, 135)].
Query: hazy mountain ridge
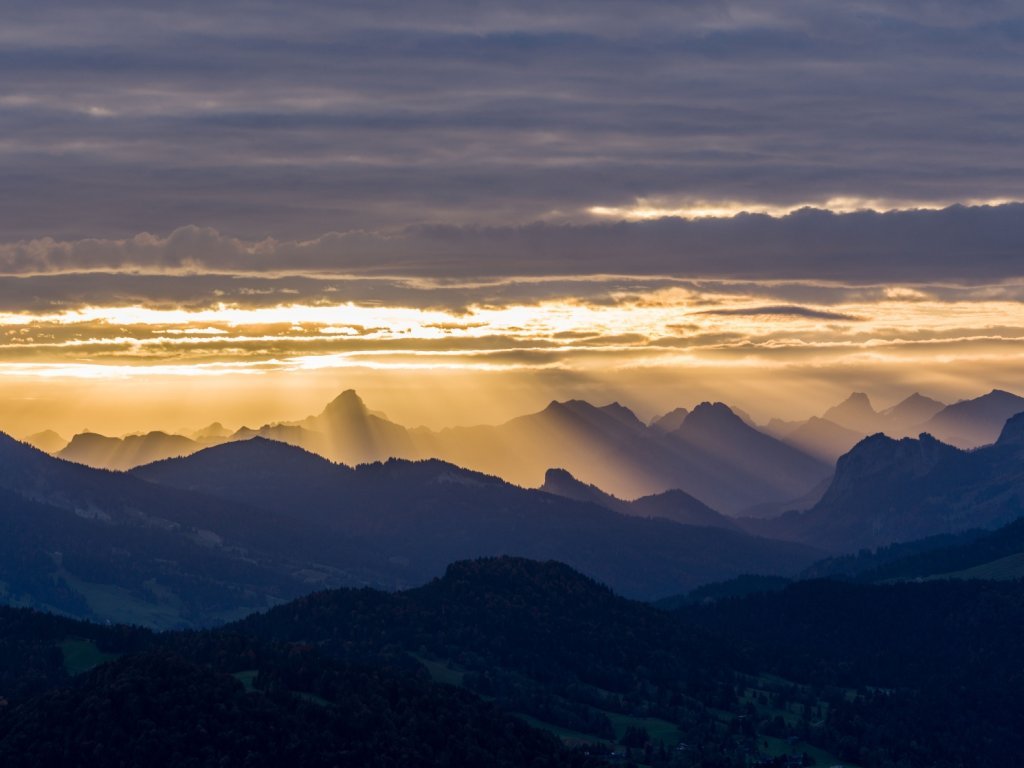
[(968, 423), (426, 514), (607, 443), (887, 491), (710, 451), (248, 523), (672, 505), (123, 453)]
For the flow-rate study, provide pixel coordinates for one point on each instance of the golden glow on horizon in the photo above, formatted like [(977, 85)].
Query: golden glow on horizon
[(773, 349), (647, 209), (620, 329)]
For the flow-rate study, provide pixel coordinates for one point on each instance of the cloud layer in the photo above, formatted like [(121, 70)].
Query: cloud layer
[(958, 243), (290, 120)]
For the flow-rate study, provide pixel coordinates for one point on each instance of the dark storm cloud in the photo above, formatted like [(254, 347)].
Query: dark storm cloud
[(295, 119)]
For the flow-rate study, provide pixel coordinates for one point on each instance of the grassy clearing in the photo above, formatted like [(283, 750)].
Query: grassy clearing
[(312, 698), (567, 735), (659, 730), (81, 655), (1003, 569), (442, 671), (248, 679), (775, 747), (123, 607)]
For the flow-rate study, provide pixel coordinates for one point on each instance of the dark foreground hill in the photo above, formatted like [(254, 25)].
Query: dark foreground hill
[(219, 700), (899, 675), (938, 665)]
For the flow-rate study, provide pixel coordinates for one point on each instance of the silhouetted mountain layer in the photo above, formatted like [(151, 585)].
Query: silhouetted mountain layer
[(822, 439), (887, 490), (675, 505), (856, 414), (844, 425), (247, 524), (726, 463), (419, 516), (971, 423), (47, 441), (909, 414), (750, 465), (106, 545), (123, 453), (670, 421), (966, 424)]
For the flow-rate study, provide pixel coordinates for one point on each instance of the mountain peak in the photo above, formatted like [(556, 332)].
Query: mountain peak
[(347, 403), (1001, 394), (47, 440), (912, 411), (670, 421), (622, 413), (558, 475), (712, 414), (857, 400), (855, 412), (1013, 431), (586, 410)]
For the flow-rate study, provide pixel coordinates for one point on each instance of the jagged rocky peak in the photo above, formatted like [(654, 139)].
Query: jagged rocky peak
[(879, 453), (347, 403), (557, 475), (1013, 431)]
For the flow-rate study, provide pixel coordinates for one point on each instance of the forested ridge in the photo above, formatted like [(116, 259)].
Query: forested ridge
[(817, 672)]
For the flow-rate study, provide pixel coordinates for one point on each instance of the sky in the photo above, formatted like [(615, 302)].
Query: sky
[(467, 209)]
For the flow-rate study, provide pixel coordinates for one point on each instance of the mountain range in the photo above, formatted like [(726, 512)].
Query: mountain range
[(246, 524), (887, 490), (711, 452), (965, 424)]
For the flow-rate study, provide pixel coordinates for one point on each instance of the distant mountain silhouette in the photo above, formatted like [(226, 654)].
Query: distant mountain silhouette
[(670, 421), (423, 515), (606, 444), (857, 414), (971, 423), (909, 414), (830, 436), (352, 434), (211, 433), (123, 453), (765, 468), (47, 441), (887, 491), (823, 439), (673, 505)]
